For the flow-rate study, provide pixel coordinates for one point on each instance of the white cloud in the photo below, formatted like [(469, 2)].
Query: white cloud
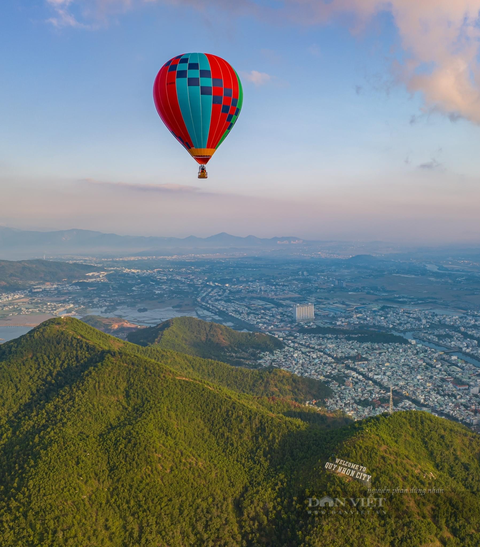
[(86, 14), (257, 78), (440, 38), (65, 19), (59, 3), (63, 16)]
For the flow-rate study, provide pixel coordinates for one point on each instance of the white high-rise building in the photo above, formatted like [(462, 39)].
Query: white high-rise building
[(304, 312)]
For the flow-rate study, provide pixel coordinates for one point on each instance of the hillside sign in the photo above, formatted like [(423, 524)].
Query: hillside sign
[(349, 469)]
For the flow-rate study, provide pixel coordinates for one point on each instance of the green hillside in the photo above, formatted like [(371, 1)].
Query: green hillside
[(17, 275), (104, 443), (206, 339)]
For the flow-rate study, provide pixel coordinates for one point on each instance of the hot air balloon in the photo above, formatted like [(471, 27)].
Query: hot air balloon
[(199, 98)]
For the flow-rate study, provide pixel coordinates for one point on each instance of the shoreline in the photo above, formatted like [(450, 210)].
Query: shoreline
[(25, 320)]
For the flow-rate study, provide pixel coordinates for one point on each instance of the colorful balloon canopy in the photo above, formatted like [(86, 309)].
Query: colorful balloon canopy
[(199, 98)]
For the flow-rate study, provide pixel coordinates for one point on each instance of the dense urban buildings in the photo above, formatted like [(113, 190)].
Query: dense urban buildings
[(410, 324)]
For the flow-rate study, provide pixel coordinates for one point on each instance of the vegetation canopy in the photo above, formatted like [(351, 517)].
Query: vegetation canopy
[(206, 339), (107, 443), (16, 275)]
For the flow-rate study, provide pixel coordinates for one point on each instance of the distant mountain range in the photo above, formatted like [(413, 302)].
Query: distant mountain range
[(30, 244), (27, 244)]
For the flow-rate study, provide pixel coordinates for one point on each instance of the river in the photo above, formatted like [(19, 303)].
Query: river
[(459, 354)]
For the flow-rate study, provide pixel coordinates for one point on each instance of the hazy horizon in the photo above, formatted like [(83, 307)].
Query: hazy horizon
[(179, 211), (406, 245)]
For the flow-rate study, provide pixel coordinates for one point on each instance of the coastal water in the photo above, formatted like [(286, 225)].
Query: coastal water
[(10, 333)]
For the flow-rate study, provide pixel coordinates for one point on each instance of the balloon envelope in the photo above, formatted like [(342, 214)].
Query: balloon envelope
[(199, 98)]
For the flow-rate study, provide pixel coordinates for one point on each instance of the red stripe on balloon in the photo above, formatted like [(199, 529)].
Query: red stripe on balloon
[(166, 102), (216, 108), (221, 69)]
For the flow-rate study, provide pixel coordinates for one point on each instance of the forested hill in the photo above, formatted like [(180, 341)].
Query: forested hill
[(106, 443), (17, 275), (206, 339)]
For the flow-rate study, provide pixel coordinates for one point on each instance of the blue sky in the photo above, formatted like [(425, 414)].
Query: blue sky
[(355, 125)]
